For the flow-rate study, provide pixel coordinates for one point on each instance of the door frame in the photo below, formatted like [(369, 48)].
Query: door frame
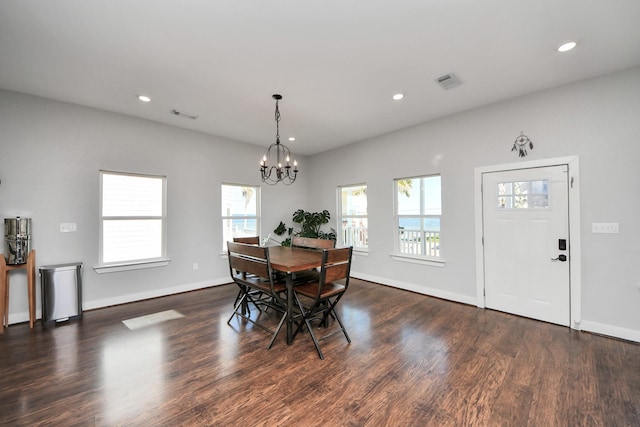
[(575, 281)]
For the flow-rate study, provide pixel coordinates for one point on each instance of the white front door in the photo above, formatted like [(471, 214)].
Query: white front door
[(526, 242)]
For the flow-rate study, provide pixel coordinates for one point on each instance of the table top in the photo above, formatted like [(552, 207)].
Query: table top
[(290, 260)]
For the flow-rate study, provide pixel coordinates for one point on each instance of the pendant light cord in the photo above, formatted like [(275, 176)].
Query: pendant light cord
[(277, 115)]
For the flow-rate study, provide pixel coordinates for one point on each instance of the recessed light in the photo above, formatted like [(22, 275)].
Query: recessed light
[(144, 98), (567, 47), (398, 96), (291, 139)]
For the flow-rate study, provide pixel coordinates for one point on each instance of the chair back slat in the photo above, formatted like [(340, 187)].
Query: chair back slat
[(339, 255), (309, 242), (249, 265), (247, 249), (253, 240), (336, 265), (336, 272)]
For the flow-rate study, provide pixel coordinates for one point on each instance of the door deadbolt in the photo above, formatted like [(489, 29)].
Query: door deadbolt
[(561, 257)]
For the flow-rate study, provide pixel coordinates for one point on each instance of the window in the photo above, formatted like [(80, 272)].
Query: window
[(523, 195), (240, 212), (418, 212), (352, 221), (132, 218)]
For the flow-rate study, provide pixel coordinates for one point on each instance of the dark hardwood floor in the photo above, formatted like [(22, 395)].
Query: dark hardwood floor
[(414, 361)]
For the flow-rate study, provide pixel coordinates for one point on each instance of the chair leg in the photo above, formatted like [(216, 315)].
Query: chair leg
[(240, 295), (335, 314), (313, 337), (305, 316), (275, 334), (236, 307)]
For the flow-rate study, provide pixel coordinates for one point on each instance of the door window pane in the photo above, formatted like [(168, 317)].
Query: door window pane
[(523, 195)]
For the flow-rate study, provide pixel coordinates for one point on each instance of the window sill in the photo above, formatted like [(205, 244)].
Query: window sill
[(126, 266), (417, 259), (361, 252)]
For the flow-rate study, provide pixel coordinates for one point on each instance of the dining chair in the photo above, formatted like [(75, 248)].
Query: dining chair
[(310, 243), (323, 296), (251, 270), (252, 240)]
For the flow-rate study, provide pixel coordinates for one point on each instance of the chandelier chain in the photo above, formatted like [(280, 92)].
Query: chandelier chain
[(277, 115)]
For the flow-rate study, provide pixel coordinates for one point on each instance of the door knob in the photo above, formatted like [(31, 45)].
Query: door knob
[(561, 257)]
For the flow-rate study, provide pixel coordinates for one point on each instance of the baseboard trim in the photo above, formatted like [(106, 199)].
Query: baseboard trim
[(21, 317), (611, 331), (593, 327), (464, 299)]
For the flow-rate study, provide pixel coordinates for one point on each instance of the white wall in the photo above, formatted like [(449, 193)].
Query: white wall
[(597, 120), (50, 155)]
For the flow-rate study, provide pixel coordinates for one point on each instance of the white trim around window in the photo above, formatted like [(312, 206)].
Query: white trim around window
[(352, 221), (417, 218), (133, 222)]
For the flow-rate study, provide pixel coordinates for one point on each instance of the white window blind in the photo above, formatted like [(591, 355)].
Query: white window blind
[(132, 217)]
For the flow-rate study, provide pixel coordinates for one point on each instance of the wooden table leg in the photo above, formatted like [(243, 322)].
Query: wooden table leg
[(3, 293), (31, 284)]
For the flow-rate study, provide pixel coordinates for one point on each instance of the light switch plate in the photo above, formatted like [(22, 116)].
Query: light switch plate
[(604, 227), (68, 227)]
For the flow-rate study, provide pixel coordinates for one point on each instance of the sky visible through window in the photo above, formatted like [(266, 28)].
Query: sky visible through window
[(409, 204)]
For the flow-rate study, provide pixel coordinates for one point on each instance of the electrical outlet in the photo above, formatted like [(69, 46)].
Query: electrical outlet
[(604, 227), (195, 266)]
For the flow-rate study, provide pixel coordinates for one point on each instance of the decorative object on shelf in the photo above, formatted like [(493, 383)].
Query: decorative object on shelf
[(521, 143), (17, 240), (272, 168)]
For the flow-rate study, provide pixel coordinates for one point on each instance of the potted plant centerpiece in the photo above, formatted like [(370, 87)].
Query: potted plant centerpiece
[(309, 225)]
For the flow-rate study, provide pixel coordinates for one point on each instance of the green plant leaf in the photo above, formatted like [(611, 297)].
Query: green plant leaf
[(299, 216), (280, 229)]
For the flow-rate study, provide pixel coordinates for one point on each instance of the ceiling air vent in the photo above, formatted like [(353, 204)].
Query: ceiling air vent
[(183, 114), (448, 81)]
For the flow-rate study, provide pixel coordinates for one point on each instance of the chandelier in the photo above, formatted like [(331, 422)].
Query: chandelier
[(275, 165)]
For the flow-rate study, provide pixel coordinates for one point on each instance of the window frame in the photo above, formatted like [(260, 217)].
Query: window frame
[(430, 260), (140, 263), (257, 216), (340, 217)]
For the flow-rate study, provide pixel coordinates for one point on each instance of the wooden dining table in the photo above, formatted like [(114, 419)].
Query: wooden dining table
[(291, 260)]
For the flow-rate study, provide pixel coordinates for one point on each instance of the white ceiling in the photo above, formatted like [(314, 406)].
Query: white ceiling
[(336, 62)]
